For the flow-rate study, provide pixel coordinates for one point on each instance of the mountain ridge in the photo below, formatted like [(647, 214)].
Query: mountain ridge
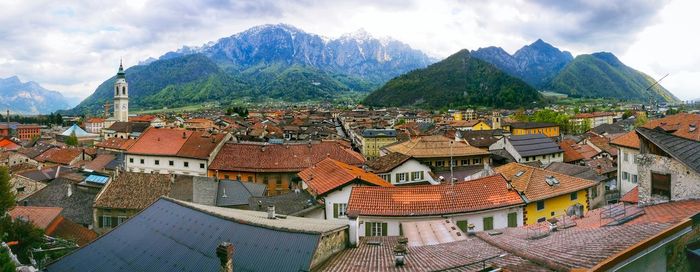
[(29, 97)]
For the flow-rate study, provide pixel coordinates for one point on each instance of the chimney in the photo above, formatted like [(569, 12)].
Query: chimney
[(271, 212), (225, 253), (184, 135), (353, 229), (69, 193), (58, 172)]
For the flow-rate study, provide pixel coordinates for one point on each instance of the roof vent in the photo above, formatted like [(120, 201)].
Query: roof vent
[(551, 180), (271, 212), (691, 127), (520, 173)]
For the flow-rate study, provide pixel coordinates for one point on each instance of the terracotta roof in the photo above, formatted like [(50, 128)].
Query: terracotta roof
[(603, 143), (329, 174), (176, 142), (434, 146), (133, 191), (41, 217), (682, 124), (570, 152), (602, 166), (386, 163), (531, 181), (59, 155), (100, 162), (256, 157), (593, 114), (467, 196), (70, 230), (116, 143), (632, 196), (142, 118), (200, 145), (6, 144), (95, 120)]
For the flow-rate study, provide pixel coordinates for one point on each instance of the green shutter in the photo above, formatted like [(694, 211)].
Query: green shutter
[(421, 175), (114, 221), (384, 228), (400, 230), (335, 210), (488, 223), (463, 225), (513, 220), (99, 222), (368, 229)]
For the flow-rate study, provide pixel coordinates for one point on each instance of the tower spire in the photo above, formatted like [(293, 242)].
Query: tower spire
[(120, 73)]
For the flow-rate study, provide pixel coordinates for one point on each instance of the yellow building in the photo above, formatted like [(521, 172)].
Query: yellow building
[(374, 139), (547, 194), (481, 125), (526, 128)]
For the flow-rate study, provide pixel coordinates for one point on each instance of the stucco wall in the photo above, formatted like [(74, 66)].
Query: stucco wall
[(626, 166), (555, 206), (164, 167)]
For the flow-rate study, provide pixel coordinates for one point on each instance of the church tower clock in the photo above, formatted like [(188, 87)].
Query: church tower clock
[(121, 96)]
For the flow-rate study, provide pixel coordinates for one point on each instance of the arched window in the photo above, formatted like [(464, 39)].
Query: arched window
[(116, 90), (124, 90)]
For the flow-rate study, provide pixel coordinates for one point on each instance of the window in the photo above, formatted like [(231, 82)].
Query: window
[(540, 205), (512, 220), (187, 164), (339, 210), (386, 177), (106, 222), (463, 225), (634, 178), (625, 175), (121, 219), (488, 223), (141, 161), (226, 177), (594, 192), (465, 162), (440, 163), (375, 229), (541, 219), (157, 162), (250, 178), (265, 180), (476, 161), (574, 196), (417, 175), (661, 185), (131, 160), (625, 156), (401, 177), (527, 158), (278, 181), (201, 165), (171, 163)]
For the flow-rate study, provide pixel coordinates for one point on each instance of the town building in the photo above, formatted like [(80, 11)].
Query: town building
[(174, 151), (546, 193), (400, 169), (332, 181), (374, 139), (50, 220), (277, 165), (530, 148), (593, 119), (437, 150), (485, 204), (527, 128), (125, 130), (94, 125)]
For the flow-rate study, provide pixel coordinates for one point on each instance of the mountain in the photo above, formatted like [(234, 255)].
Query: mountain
[(269, 61), (604, 75), (459, 80), (29, 97), (537, 63)]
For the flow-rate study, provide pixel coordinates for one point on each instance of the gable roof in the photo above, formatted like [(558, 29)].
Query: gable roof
[(41, 217), (533, 145), (77, 206), (193, 234), (683, 125), (59, 155), (6, 144), (256, 157), (116, 143), (570, 152), (176, 142), (236, 192), (329, 174), (132, 190), (531, 181), (434, 146), (467, 196), (387, 163), (684, 150)]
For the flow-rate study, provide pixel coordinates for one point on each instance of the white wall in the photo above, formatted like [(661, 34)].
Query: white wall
[(411, 165), (626, 166), (500, 219), (338, 196), (164, 166)]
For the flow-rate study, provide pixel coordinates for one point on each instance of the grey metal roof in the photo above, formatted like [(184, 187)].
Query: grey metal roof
[(578, 171), (172, 235), (684, 150), (379, 133), (534, 145), (235, 192), (608, 129), (289, 203)]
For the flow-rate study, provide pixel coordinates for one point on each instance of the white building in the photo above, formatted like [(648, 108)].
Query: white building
[(530, 148), (468, 204), (628, 148), (401, 169)]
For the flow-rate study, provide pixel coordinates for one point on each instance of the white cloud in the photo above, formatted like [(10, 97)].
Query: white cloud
[(72, 46)]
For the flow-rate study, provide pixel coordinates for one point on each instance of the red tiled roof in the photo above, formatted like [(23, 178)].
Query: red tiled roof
[(95, 120), (176, 142), (329, 174), (532, 181), (254, 157), (99, 162), (629, 139), (142, 118), (59, 155), (570, 152), (467, 196), (67, 229), (6, 144), (41, 217), (682, 124), (632, 196), (116, 143), (593, 114), (200, 145)]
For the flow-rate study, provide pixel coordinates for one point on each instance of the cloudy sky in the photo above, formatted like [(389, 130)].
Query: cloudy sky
[(73, 47)]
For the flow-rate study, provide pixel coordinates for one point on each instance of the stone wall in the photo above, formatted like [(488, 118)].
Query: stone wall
[(685, 182), (329, 245)]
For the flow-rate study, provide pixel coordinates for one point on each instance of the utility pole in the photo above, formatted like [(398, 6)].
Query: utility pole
[(452, 174)]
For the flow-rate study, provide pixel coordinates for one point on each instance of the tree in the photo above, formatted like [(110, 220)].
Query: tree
[(7, 198), (640, 120), (6, 264), (627, 114), (72, 140)]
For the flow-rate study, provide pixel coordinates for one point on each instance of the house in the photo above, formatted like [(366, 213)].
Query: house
[(174, 151), (601, 194), (94, 125), (8, 145), (23, 186), (125, 130), (527, 128), (546, 193), (399, 169), (332, 181), (593, 119), (486, 203), (62, 156), (469, 125), (374, 139), (115, 144), (152, 120), (682, 125), (530, 148), (277, 165), (63, 192), (199, 124), (49, 220), (668, 167), (201, 238), (436, 151)]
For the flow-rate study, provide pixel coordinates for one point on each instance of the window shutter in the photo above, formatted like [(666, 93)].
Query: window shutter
[(114, 221), (335, 210), (368, 229), (512, 220), (384, 227), (99, 222), (421, 175), (463, 225)]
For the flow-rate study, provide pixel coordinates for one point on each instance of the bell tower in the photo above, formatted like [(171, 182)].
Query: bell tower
[(121, 96)]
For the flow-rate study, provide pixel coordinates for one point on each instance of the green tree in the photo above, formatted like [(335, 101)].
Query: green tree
[(72, 140), (7, 198), (627, 114), (641, 119), (6, 264)]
